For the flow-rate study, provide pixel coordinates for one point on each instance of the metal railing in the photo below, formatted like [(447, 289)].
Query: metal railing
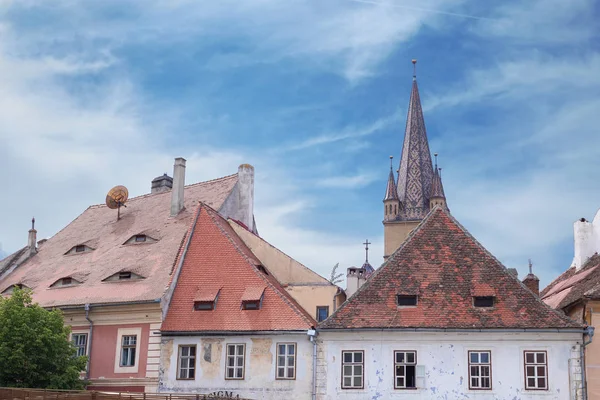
[(43, 394)]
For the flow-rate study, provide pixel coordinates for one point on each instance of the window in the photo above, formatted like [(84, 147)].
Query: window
[(79, 248), (405, 364), (187, 362), (251, 305), (234, 369), (483, 301), (286, 361), (352, 369), (204, 305), (128, 345), (406, 300), (66, 281), (140, 238), (124, 275), (322, 313), (536, 370), (480, 370), (80, 341)]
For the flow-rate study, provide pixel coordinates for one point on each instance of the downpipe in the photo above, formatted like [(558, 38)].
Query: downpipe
[(312, 334), (89, 344)]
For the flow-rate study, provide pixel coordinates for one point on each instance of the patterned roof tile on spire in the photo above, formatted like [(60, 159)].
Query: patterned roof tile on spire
[(391, 191), (416, 171), (437, 189)]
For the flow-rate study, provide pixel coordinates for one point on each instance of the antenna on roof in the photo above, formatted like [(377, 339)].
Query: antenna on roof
[(530, 267), (116, 198)]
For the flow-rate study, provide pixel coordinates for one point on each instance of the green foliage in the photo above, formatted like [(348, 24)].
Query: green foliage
[(35, 350), (336, 278)]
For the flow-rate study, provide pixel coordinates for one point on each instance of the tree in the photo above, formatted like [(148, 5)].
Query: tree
[(35, 350), (336, 278)]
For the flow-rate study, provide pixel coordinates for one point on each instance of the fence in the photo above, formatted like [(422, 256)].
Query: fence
[(42, 394)]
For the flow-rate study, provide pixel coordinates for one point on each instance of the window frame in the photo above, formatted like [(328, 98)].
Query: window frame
[(479, 365), (481, 298), (286, 366), (535, 365), (141, 238), (407, 296), (79, 346), (129, 346), (235, 355), (405, 364), (189, 358), (362, 364), (322, 307)]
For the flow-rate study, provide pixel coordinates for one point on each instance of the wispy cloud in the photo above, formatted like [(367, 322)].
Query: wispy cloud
[(348, 182)]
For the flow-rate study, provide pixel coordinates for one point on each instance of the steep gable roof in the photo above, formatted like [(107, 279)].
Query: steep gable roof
[(573, 285), (218, 260), (98, 226), (445, 267)]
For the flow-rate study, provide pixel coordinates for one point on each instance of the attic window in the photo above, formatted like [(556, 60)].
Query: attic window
[(206, 299), (483, 301), (124, 275), (78, 249), (9, 290), (252, 298), (262, 269), (66, 281), (204, 305), (406, 300), (140, 238), (251, 305)]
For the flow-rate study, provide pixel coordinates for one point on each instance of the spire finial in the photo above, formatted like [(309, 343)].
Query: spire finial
[(33, 223), (530, 267), (414, 61), (367, 243), (435, 155), (391, 161)]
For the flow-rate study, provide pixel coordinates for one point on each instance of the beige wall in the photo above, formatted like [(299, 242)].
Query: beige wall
[(592, 351), (395, 233), (309, 297)]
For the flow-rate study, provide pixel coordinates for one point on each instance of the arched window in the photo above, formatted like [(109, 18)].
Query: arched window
[(395, 210)]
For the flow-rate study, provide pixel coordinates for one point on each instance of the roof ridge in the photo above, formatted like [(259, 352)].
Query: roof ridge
[(281, 251), (281, 292), (141, 196)]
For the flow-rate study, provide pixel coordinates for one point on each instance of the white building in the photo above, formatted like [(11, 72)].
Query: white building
[(443, 319)]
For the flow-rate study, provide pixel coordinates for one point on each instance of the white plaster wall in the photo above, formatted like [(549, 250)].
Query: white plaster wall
[(259, 382), (444, 356), (587, 240)]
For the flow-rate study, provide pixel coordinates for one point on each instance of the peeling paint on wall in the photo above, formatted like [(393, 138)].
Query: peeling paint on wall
[(166, 351), (211, 356), (261, 357)]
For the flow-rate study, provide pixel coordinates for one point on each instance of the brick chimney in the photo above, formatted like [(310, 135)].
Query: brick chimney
[(531, 281), (178, 186), (161, 184), (32, 241)]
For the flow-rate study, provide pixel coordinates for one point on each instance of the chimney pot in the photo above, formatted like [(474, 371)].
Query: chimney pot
[(32, 240), (161, 184), (178, 186)]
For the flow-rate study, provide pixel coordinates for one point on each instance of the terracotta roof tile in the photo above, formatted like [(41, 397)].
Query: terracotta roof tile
[(446, 267), (572, 285), (217, 257), (99, 227)]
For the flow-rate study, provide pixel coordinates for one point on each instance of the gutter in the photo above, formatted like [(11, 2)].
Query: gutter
[(228, 333), (89, 344), (458, 330), (121, 303), (312, 334)]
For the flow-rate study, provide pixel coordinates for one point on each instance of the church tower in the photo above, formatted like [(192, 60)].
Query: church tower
[(419, 187)]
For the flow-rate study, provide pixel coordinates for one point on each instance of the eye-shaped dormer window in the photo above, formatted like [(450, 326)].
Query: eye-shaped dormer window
[(66, 281), (139, 239), (123, 276), (78, 249), (9, 290)]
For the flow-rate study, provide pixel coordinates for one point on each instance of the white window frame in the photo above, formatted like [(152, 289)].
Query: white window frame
[(236, 357), (287, 365), (480, 367), (87, 341), (118, 369), (535, 365), (353, 364), (404, 364), (191, 361), (79, 346)]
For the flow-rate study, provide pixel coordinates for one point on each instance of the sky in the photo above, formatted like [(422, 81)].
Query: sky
[(314, 94)]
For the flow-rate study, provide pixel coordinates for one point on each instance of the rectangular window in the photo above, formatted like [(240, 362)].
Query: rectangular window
[(322, 313), (536, 370), (286, 360), (483, 301), (140, 238), (352, 369), (204, 305), (125, 275), (187, 362), (480, 370), (80, 248), (80, 341), (405, 364), (234, 369), (406, 300), (128, 347), (251, 305)]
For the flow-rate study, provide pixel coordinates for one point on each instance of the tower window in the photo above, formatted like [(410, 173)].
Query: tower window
[(395, 209), (406, 300), (483, 301)]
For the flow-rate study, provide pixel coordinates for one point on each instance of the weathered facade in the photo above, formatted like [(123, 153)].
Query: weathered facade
[(442, 318)]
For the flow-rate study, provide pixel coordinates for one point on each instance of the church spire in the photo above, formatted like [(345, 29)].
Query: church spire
[(415, 178), (391, 191), (437, 197)]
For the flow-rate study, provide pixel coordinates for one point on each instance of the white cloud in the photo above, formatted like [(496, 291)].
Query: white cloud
[(348, 182)]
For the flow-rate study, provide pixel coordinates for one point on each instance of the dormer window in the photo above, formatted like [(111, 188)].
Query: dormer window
[(78, 249), (123, 276), (483, 301), (66, 281), (204, 305), (406, 300), (252, 298), (251, 305), (9, 290), (206, 299), (140, 238)]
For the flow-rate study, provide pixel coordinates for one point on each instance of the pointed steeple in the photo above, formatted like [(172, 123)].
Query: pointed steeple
[(391, 191), (437, 189), (415, 178)]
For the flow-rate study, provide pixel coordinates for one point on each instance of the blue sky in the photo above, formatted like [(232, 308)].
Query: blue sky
[(314, 95)]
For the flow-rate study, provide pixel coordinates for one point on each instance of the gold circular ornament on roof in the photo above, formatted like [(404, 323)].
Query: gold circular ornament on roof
[(116, 197)]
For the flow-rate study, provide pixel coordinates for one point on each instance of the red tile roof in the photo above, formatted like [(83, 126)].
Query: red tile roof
[(445, 266), (99, 229), (572, 285), (218, 258)]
